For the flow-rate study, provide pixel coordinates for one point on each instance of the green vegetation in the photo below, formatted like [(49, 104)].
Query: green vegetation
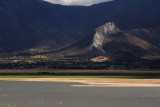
[(61, 76)]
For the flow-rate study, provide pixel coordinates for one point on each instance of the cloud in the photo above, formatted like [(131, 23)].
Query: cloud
[(76, 2)]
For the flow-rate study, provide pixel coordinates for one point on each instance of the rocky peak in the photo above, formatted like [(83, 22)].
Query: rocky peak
[(102, 35), (108, 28)]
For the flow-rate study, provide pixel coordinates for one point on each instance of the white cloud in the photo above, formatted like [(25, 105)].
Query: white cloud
[(76, 2)]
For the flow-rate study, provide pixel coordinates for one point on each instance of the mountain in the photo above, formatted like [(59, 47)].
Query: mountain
[(110, 41), (131, 31), (36, 24), (120, 29)]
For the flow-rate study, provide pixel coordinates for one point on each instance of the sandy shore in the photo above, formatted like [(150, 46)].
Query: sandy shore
[(96, 82)]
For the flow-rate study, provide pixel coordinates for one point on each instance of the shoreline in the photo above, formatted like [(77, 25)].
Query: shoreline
[(78, 72), (93, 82)]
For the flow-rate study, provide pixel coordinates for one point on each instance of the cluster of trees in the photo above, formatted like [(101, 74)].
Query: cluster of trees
[(115, 65)]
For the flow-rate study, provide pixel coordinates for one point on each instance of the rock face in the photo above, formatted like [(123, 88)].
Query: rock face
[(103, 34)]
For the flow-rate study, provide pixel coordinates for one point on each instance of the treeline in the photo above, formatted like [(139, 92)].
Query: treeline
[(115, 65)]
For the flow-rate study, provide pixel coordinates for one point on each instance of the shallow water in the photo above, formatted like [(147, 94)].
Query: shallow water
[(54, 94)]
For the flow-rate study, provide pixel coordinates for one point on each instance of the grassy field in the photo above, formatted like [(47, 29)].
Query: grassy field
[(61, 76)]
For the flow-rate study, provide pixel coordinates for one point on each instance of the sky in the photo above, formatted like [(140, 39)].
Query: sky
[(76, 2)]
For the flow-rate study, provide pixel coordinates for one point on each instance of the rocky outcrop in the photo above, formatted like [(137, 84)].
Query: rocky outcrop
[(103, 34)]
